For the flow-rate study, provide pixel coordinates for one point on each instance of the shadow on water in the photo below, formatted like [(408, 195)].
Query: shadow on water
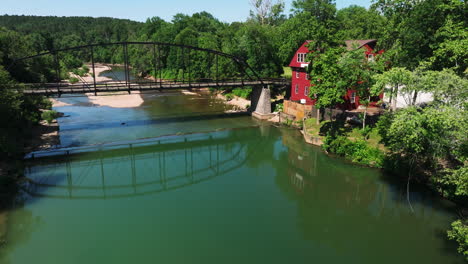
[(162, 120)]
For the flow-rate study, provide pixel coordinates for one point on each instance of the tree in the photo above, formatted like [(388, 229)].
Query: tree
[(392, 81), (459, 233), (412, 27), (266, 12), (327, 85), (358, 74), (451, 40), (446, 86), (356, 22), (322, 10)]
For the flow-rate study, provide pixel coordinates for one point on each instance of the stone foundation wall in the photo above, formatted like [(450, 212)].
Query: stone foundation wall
[(296, 109)]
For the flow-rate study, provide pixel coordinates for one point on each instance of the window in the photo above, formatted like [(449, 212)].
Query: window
[(306, 91), (301, 57), (297, 75), (370, 58), (353, 97), (307, 76), (297, 88)]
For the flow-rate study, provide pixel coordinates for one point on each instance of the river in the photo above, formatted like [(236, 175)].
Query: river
[(212, 188)]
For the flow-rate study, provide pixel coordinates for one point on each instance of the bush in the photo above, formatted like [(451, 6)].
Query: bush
[(453, 183), (229, 96), (459, 233), (85, 69), (74, 80), (242, 92), (279, 108), (357, 151), (49, 116)]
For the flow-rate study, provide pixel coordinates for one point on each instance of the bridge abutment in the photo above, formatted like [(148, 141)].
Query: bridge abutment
[(261, 102)]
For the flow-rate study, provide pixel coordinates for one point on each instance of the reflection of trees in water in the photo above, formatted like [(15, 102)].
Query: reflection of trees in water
[(20, 225), (16, 222), (341, 207)]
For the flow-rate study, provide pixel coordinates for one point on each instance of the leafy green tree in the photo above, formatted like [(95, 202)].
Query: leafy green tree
[(392, 81), (256, 47), (451, 40), (412, 27), (359, 72), (356, 22), (322, 10), (327, 85), (422, 136), (447, 87), (459, 233), (292, 34)]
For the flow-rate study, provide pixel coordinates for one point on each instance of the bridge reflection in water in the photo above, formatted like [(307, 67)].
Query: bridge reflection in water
[(138, 168)]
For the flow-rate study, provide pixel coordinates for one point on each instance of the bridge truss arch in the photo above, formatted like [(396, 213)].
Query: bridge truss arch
[(165, 66)]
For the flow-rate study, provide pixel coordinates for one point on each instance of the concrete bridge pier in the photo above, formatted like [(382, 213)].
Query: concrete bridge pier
[(261, 103)]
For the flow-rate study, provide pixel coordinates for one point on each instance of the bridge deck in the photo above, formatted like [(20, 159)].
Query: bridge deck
[(67, 88)]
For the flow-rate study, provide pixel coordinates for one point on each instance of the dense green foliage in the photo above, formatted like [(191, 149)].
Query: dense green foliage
[(49, 116), (17, 113), (358, 151), (459, 233)]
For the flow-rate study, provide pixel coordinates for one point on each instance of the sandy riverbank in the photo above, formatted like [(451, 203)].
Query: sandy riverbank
[(238, 102), (117, 100), (57, 103), (98, 68)]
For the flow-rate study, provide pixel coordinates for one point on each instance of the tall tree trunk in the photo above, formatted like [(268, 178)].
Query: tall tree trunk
[(391, 97), (365, 114), (415, 96), (395, 99), (318, 116)]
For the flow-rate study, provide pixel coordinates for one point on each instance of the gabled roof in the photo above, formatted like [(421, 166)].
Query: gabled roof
[(350, 45), (359, 43)]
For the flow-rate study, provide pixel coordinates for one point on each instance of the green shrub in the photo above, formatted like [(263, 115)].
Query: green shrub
[(74, 80), (49, 116), (453, 183), (229, 96), (357, 151), (242, 92), (459, 233), (279, 108), (365, 132)]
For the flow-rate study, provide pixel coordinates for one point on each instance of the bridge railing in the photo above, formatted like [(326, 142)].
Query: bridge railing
[(145, 84)]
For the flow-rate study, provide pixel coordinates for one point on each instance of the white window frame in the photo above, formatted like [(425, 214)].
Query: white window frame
[(296, 89), (306, 91), (307, 76), (370, 58), (301, 57), (298, 74), (352, 97)]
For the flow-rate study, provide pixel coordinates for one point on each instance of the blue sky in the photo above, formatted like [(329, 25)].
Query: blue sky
[(225, 10)]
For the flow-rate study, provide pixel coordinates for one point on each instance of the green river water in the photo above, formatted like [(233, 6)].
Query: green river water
[(237, 192)]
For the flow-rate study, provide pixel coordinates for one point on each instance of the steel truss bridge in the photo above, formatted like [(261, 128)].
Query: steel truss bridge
[(222, 69)]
